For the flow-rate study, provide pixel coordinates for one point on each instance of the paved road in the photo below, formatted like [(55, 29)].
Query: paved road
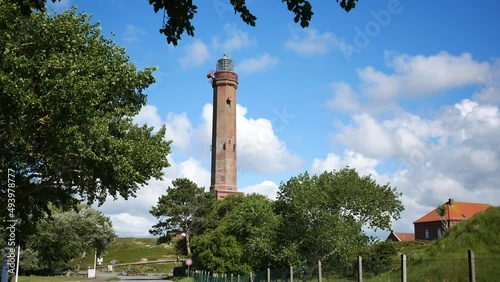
[(142, 278), (106, 275)]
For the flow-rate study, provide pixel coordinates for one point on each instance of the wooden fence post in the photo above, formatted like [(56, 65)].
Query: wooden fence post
[(472, 266), (319, 271), (360, 269), (268, 275), (291, 273), (403, 268)]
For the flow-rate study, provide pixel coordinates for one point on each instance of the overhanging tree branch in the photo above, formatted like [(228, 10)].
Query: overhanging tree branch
[(178, 14)]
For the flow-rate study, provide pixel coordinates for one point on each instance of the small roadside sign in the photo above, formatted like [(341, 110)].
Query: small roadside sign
[(188, 262), (91, 273)]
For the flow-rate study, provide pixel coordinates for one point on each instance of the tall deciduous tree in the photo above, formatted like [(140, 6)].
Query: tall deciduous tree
[(254, 224), (242, 238), (68, 96), (179, 14), (323, 215), (178, 209)]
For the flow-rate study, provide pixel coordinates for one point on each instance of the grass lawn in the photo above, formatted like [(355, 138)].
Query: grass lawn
[(53, 278), (62, 278), (124, 250), (135, 249)]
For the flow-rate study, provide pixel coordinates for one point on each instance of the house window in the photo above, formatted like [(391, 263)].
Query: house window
[(426, 234), (439, 232)]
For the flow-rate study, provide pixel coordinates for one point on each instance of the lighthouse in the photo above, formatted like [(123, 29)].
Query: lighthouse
[(223, 165)]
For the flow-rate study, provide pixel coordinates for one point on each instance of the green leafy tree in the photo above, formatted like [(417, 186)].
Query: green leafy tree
[(378, 258), (178, 209), (323, 216), (69, 96), (69, 235), (28, 261), (254, 224), (242, 238), (218, 252), (179, 14), (92, 230)]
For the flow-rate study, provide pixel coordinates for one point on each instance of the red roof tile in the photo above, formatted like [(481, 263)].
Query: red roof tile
[(405, 236), (455, 211)]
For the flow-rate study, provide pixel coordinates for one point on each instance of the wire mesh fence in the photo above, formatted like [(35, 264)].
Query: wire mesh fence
[(438, 270), (205, 276), (487, 269), (277, 275), (406, 269)]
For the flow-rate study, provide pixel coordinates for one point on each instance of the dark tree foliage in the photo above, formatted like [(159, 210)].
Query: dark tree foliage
[(323, 215), (378, 258), (68, 97), (178, 211), (241, 236), (315, 218), (178, 14)]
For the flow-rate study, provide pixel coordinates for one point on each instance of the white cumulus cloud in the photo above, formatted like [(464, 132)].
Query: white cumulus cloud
[(148, 115), (452, 154), (234, 39), (179, 130), (260, 63), (345, 98), (128, 225), (59, 6), (267, 188), (259, 148), (309, 42), (195, 54), (367, 136), (422, 75), (132, 33), (131, 217)]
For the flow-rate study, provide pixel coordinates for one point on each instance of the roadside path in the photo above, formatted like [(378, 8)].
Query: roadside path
[(103, 276)]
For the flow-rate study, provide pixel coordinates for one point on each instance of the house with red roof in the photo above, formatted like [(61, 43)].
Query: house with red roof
[(431, 225), (400, 236)]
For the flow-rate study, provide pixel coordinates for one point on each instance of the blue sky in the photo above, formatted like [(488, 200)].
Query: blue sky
[(407, 91)]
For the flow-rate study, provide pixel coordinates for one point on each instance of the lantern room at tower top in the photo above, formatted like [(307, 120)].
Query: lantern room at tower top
[(224, 70), (223, 163), (225, 64)]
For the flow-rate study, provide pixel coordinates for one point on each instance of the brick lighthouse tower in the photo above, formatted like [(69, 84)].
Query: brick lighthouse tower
[(223, 169)]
